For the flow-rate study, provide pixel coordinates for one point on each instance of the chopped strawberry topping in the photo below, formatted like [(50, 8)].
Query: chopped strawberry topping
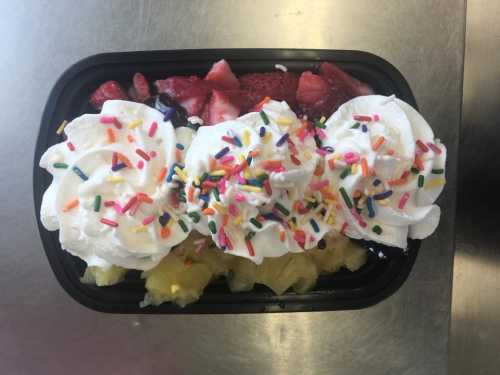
[(191, 93), (109, 90), (139, 91), (276, 85), (321, 95), (337, 77), (221, 76), (220, 108)]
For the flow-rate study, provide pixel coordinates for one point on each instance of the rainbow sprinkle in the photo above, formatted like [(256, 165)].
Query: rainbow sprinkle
[(80, 173), (148, 220), (212, 226), (71, 146), (195, 217), (222, 152), (114, 179), (61, 127), (264, 117), (314, 225), (403, 200), (165, 232), (250, 248), (152, 129), (142, 154), (422, 146), (346, 198), (183, 226), (97, 203), (60, 165), (435, 183), (364, 167), (378, 143), (237, 141), (284, 121), (117, 167), (164, 219), (370, 207), (229, 140), (384, 195), (262, 131), (282, 140), (109, 222), (132, 201), (70, 205), (362, 118), (377, 229), (421, 180), (281, 209), (134, 124)]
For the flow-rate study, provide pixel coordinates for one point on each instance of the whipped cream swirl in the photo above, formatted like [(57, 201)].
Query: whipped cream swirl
[(108, 197), (248, 184), (387, 169)]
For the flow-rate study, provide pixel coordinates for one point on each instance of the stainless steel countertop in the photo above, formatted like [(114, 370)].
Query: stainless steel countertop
[(475, 327), (43, 331)]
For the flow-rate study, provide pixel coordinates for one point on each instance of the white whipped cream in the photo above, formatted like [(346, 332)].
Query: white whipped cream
[(131, 244), (401, 128), (273, 238)]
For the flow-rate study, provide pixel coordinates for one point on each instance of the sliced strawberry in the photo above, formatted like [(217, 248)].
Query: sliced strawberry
[(240, 99), (321, 95), (139, 91), (312, 88), (222, 77), (336, 77), (109, 90), (219, 109), (276, 85), (315, 96), (189, 92)]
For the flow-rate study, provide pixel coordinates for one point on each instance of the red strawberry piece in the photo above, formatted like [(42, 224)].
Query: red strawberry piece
[(109, 90), (221, 76), (219, 108), (191, 93), (139, 91), (321, 95), (336, 77), (315, 96), (312, 88), (239, 98), (276, 85)]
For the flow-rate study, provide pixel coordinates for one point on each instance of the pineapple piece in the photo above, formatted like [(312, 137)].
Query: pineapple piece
[(305, 269), (330, 259), (269, 274), (216, 260), (355, 256), (242, 274), (103, 277), (176, 280), (290, 270)]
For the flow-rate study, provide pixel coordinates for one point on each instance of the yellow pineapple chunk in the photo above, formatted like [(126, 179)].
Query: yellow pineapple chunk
[(103, 277), (176, 280)]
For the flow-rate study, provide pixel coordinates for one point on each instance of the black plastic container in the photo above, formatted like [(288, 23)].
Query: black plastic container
[(374, 282)]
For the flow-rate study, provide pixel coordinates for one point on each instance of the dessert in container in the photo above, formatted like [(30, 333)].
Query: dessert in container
[(376, 280)]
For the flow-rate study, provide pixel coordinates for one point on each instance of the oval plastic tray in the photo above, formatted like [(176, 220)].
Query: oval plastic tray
[(344, 290)]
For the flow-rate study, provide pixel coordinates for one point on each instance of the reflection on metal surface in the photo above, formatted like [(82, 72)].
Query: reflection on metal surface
[(407, 334), (475, 327)]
